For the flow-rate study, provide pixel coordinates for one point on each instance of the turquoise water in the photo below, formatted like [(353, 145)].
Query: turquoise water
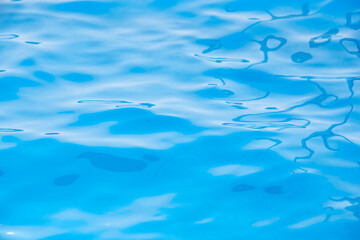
[(179, 119)]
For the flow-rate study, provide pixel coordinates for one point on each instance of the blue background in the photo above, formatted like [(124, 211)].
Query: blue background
[(179, 119)]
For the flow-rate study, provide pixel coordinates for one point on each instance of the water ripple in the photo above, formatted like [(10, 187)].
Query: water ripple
[(179, 119)]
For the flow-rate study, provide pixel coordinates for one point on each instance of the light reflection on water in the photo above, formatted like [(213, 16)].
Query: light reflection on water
[(178, 119)]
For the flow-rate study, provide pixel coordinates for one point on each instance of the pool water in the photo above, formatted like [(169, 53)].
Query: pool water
[(179, 120)]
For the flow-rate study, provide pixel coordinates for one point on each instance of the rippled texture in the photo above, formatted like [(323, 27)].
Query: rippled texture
[(179, 119)]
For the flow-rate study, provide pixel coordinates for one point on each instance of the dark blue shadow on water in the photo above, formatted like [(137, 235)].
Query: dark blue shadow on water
[(137, 121)]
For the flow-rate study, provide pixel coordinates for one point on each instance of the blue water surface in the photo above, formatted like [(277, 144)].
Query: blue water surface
[(179, 119)]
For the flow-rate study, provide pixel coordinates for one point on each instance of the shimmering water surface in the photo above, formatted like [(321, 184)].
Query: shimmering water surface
[(179, 119)]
